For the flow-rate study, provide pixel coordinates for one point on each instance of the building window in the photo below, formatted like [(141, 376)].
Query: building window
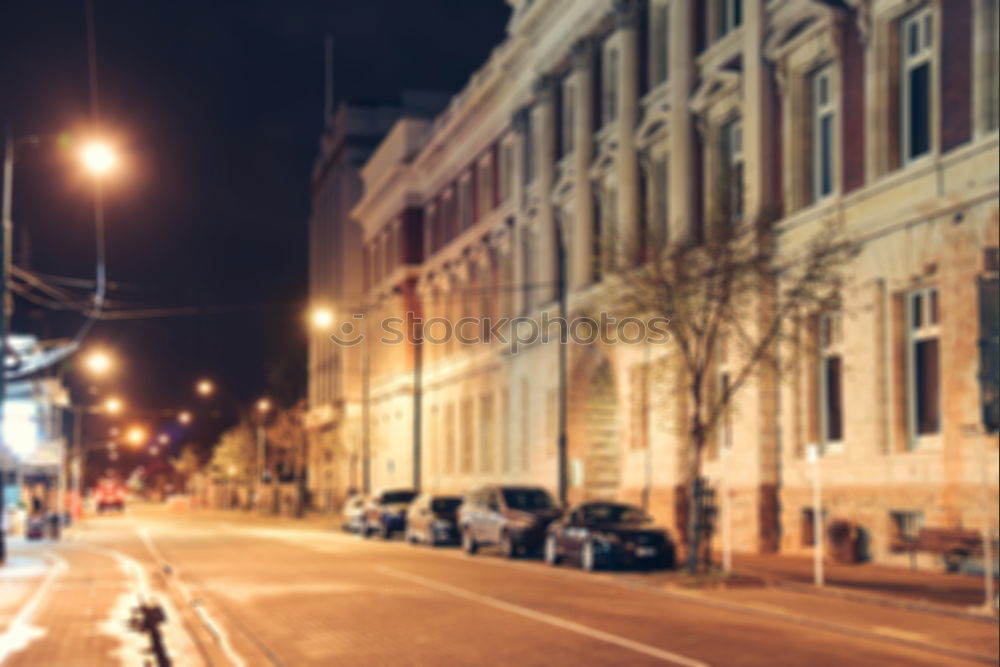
[(506, 171), (923, 364), (465, 211), (484, 191), (659, 55), (567, 120), (729, 16), (823, 109), (831, 398), (659, 208), (731, 148), (609, 87), (905, 526), (916, 41), (989, 351)]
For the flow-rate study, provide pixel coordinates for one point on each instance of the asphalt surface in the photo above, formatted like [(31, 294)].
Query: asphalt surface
[(237, 592)]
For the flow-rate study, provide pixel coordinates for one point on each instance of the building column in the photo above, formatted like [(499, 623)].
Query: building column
[(629, 207), (682, 173), (582, 253), (543, 124)]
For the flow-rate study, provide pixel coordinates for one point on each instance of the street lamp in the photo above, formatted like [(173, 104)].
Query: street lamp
[(98, 158), (184, 417), (136, 435), (205, 388), (163, 439), (263, 407), (99, 362), (321, 318), (113, 405)]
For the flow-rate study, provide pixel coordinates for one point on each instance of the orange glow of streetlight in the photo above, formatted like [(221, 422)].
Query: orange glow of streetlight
[(184, 417), (99, 362), (263, 405), (321, 318), (113, 405), (98, 158), (205, 387), (136, 435), (163, 439)]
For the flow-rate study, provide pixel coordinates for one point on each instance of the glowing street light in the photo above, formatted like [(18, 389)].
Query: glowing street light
[(113, 405), (99, 362), (154, 450), (184, 417), (321, 318), (163, 439), (205, 387), (98, 158), (136, 435), (263, 405)]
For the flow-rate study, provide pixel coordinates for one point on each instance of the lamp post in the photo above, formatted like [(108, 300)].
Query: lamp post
[(814, 456), (263, 407)]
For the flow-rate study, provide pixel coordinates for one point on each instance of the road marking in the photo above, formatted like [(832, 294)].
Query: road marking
[(586, 631), (21, 633), (213, 627)]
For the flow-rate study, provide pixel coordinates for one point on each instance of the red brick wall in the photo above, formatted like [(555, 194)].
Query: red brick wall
[(852, 135), (956, 73)]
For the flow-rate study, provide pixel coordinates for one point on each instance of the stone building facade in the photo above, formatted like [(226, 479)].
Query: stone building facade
[(597, 118)]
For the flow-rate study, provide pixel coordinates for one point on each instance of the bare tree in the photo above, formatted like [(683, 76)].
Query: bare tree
[(733, 291)]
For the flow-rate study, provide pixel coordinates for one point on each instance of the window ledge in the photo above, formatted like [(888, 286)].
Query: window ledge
[(721, 51)]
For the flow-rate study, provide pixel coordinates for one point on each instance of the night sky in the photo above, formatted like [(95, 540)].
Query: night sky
[(217, 109)]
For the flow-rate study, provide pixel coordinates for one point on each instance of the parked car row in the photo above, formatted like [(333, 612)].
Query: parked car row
[(521, 521)]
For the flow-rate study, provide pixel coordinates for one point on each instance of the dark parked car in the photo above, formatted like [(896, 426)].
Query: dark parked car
[(605, 534), (514, 517), (433, 519), (386, 513)]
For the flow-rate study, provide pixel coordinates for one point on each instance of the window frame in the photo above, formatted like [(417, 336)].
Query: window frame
[(731, 156), (924, 20), (830, 345), (928, 329), (818, 110), (659, 43)]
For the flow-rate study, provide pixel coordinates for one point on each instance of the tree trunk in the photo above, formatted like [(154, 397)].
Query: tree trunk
[(694, 502)]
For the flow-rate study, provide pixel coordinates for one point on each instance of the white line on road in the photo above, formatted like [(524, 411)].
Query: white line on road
[(20, 633), (213, 627), (593, 633)]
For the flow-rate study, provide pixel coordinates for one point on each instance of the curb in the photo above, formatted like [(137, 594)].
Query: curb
[(842, 593)]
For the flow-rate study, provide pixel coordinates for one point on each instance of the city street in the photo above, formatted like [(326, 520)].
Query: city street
[(238, 590)]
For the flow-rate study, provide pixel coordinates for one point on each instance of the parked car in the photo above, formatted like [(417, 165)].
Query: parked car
[(385, 514), (513, 517), (433, 519), (606, 534), (353, 514)]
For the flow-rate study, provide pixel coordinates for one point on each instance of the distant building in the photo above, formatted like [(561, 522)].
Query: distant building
[(596, 116), (336, 285)]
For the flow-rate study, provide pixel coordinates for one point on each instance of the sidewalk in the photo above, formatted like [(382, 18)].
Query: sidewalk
[(878, 583)]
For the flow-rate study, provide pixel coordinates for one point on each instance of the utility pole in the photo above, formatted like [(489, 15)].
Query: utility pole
[(563, 343), (5, 239), (814, 458)]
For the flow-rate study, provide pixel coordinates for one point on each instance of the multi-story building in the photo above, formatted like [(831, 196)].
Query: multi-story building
[(336, 286), (595, 119)]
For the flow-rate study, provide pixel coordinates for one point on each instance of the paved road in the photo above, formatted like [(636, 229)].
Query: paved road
[(258, 594)]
